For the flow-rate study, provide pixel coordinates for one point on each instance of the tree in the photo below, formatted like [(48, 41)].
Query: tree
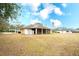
[(8, 11), (77, 28), (15, 26)]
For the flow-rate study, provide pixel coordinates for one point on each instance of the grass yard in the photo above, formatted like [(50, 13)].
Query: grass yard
[(42, 45)]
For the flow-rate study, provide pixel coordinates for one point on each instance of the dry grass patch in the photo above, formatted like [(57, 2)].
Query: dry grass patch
[(53, 44)]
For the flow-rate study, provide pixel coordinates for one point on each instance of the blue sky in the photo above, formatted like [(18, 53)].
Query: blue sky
[(50, 14)]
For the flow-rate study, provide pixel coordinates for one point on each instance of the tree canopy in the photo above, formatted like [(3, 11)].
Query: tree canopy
[(8, 11)]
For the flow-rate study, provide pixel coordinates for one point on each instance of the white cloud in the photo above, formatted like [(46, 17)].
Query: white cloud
[(56, 23), (35, 21), (58, 11), (64, 4), (48, 9), (35, 13), (44, 13), (35, 6)]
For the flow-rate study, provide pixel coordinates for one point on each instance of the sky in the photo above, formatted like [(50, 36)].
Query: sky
[(50, 14)]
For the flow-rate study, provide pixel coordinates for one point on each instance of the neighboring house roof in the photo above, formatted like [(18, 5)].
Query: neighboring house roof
[(36, 25)]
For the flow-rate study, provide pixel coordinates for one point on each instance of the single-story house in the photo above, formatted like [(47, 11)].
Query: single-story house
[(63, 31), (75, 31), (36, 28)]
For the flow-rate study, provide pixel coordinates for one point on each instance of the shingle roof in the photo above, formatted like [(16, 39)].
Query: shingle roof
[(37, 25)]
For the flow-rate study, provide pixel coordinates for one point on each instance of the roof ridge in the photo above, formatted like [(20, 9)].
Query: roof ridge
[(37, 25)]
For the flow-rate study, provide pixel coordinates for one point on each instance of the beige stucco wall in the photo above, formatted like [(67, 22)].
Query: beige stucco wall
[(27, 31)]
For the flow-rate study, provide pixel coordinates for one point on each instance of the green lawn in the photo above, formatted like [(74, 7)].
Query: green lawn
[(53, 44)]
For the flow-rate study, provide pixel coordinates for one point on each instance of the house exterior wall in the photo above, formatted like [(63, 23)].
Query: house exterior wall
[(27, 31), (35, 31)]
